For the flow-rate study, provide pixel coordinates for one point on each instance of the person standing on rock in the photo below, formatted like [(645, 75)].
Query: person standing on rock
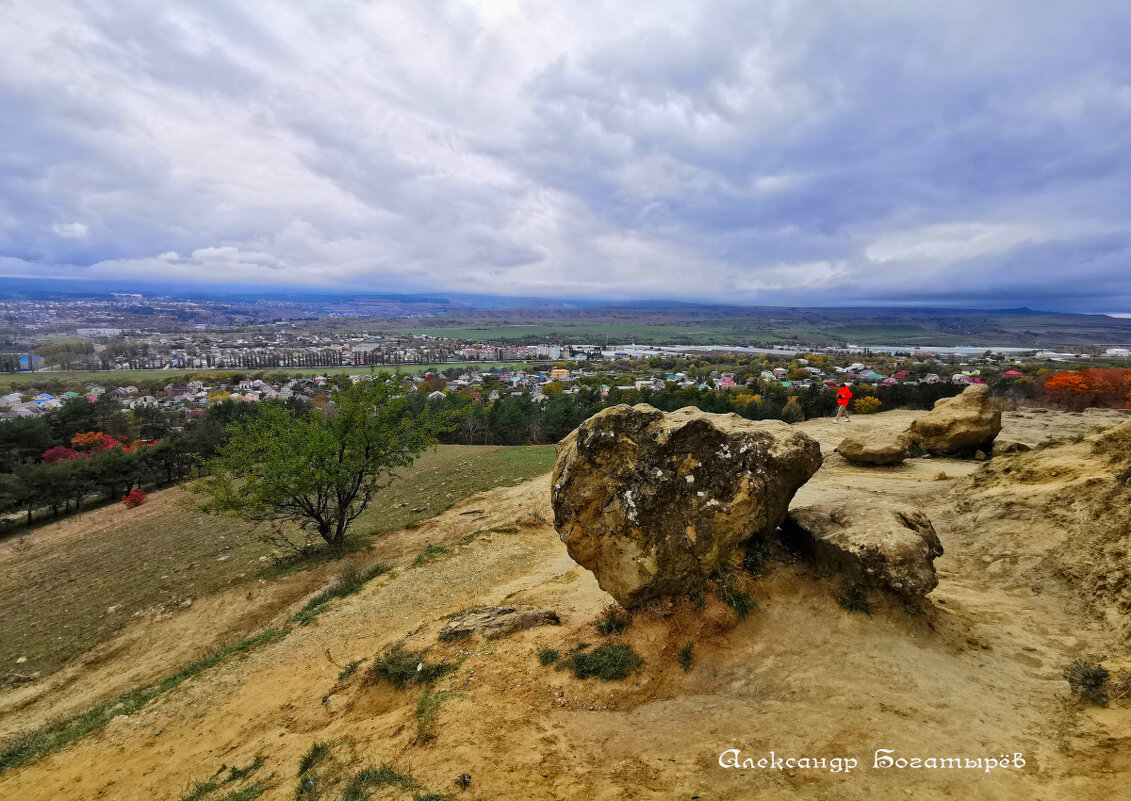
[(843, 396)]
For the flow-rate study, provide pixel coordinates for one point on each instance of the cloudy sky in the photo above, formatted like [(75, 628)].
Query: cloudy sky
[(826, 153)]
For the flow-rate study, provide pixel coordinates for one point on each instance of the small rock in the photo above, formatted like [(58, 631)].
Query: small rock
[(874, 449), (1002, 446)]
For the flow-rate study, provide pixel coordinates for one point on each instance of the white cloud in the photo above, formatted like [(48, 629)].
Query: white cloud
[(72, 230), (952, 242)]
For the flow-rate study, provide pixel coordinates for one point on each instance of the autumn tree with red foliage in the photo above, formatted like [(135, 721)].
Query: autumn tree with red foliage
[(135, 497), (60, 453), (1095, 387)]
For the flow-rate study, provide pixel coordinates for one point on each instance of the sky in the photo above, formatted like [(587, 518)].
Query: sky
[(830, 153)]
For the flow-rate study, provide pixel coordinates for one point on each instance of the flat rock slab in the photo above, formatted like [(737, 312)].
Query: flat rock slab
[(651, 502), (880, 448), (496, 621), (876, 544)]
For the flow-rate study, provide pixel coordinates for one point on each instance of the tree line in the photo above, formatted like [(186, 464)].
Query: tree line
[(54, 463)]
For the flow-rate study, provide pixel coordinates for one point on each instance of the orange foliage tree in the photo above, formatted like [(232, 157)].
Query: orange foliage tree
[(1092, 387), (93, 441)]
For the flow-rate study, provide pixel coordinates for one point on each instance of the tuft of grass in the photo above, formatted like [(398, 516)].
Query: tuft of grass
[(854, 599), (402, 668), (427, 705), (686, 656), (314, 755), (429, 553), (236, 773), (202, 789), (733, 595), (61, 733), (307, 788), (1087, 677), (611, 623), (757, 559), (605, 662), (370, 778), (205, 788), (249, 793), (548, 656), (431, 797), (349, 581), (349, 670)]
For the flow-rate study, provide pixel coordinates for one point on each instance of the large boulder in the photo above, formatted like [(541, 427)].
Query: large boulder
[(874, 448), (960, 425), (652, 502), (877, 545)]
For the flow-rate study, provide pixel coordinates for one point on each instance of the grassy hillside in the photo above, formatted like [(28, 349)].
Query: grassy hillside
[(71, 585)]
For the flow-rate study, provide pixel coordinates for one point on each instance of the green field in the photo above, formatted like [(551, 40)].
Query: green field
[(710, 333), (59, 586), (714, 332)]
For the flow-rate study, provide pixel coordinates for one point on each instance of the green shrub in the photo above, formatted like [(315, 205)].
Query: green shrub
[(757, 558), (685, 657), (548, 656), (854, 599), (401, 667), (1087, 677), (611, 623), (605, 662)]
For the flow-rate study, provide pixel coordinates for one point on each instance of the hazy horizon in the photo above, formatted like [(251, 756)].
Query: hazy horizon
[(936, 154)]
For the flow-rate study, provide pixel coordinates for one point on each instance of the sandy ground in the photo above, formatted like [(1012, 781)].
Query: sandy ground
[(979, 674)]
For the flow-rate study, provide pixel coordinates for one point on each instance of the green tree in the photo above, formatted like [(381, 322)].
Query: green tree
[(320, 469)]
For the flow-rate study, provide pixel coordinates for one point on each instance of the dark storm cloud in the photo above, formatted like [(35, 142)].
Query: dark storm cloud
[(966, 153)]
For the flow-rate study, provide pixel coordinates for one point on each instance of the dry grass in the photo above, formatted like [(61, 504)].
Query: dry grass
[(57, 596)]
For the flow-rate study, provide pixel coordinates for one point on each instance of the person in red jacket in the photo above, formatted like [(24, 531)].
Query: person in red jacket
[(843, 396)]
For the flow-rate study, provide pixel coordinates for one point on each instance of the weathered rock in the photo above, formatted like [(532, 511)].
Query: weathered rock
[(1003, 446), (874, 449), (958, 425), (653, 502), (877, 545), (496, 621)]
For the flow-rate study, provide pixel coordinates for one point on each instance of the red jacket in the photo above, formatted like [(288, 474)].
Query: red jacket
[(843, 396)]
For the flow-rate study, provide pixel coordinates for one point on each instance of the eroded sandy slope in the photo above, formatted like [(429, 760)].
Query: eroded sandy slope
[(980, 674)]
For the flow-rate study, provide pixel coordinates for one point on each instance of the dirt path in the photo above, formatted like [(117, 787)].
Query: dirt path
[(978, 675)]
